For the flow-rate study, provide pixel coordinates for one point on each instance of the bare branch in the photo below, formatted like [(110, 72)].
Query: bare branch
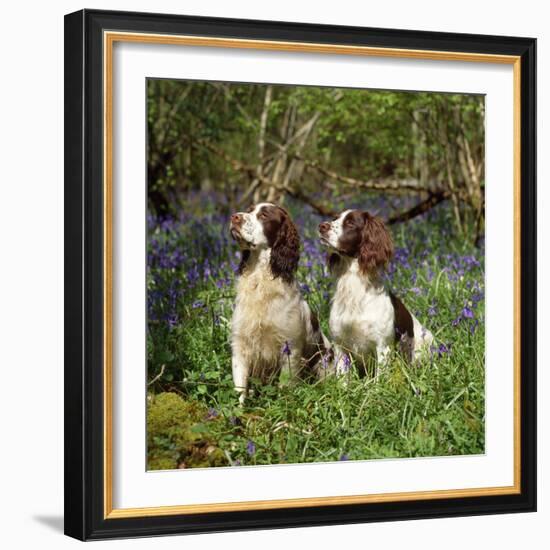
[(390, 185), (422, 207), (433, 199), (318, 207)]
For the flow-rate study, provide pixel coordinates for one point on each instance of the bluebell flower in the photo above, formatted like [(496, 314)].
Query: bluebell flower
[(344, 457), (286, 349), (477, 297), (346, 363), (442, 349), (212, 413), (467, 313), (172, 320), (251, 447)]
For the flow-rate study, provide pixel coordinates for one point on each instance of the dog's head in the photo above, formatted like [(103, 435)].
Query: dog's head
[(268, 226), (358, 234)]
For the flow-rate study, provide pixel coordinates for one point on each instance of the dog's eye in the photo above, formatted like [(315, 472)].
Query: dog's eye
[(262, 215)]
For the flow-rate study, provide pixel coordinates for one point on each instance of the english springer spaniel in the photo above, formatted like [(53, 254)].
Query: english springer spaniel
[(272, 325), (366, 319)]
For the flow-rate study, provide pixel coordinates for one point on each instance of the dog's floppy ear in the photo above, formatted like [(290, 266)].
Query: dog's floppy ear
[(376, 249), (333, 261), (285, 251), (245, 254)]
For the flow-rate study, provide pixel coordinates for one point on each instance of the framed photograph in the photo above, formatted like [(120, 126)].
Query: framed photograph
[(300, 274)]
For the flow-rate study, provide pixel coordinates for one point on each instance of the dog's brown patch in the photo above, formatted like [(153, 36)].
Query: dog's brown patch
[(282, 237), (403, 326), (376, 248)]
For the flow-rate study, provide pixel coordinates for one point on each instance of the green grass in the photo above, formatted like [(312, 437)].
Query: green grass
[(434, 408)]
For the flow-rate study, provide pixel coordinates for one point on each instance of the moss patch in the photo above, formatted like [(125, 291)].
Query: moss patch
[(179, 434)]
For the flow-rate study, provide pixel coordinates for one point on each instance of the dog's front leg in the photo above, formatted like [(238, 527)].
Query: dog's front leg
[(382, 358), (241, 372)]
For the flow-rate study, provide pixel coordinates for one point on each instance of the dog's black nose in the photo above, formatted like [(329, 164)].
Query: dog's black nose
[(324, 227)]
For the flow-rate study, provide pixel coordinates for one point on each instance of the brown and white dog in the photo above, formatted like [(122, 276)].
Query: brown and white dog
[(365, 318), (272, 325)]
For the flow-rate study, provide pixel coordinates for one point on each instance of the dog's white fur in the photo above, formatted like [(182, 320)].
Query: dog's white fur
[(362, 315), (269, 312)]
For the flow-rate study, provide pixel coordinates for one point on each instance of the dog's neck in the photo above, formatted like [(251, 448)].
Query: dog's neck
[(348, 268), (258, 259)]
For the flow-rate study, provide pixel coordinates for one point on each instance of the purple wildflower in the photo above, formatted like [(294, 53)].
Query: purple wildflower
[(305, 288), (470, 262), (212, 413), (442, 349), (344, 457), (467, 313), (197, 304), (286, 349), (477, 297), (251, 447), (172, 320), (346, 363)]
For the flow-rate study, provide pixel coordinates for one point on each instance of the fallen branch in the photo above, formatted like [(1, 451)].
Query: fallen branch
[(434, 197), (318, 207), (390, 185), (422, 207)]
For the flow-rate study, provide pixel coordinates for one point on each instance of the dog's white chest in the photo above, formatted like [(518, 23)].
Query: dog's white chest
[(360, 318), (266, 308)]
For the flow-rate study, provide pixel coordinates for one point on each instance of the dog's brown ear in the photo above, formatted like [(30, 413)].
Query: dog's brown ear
[(245, 254), (285, 251), (333, 261), (376, 249)]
